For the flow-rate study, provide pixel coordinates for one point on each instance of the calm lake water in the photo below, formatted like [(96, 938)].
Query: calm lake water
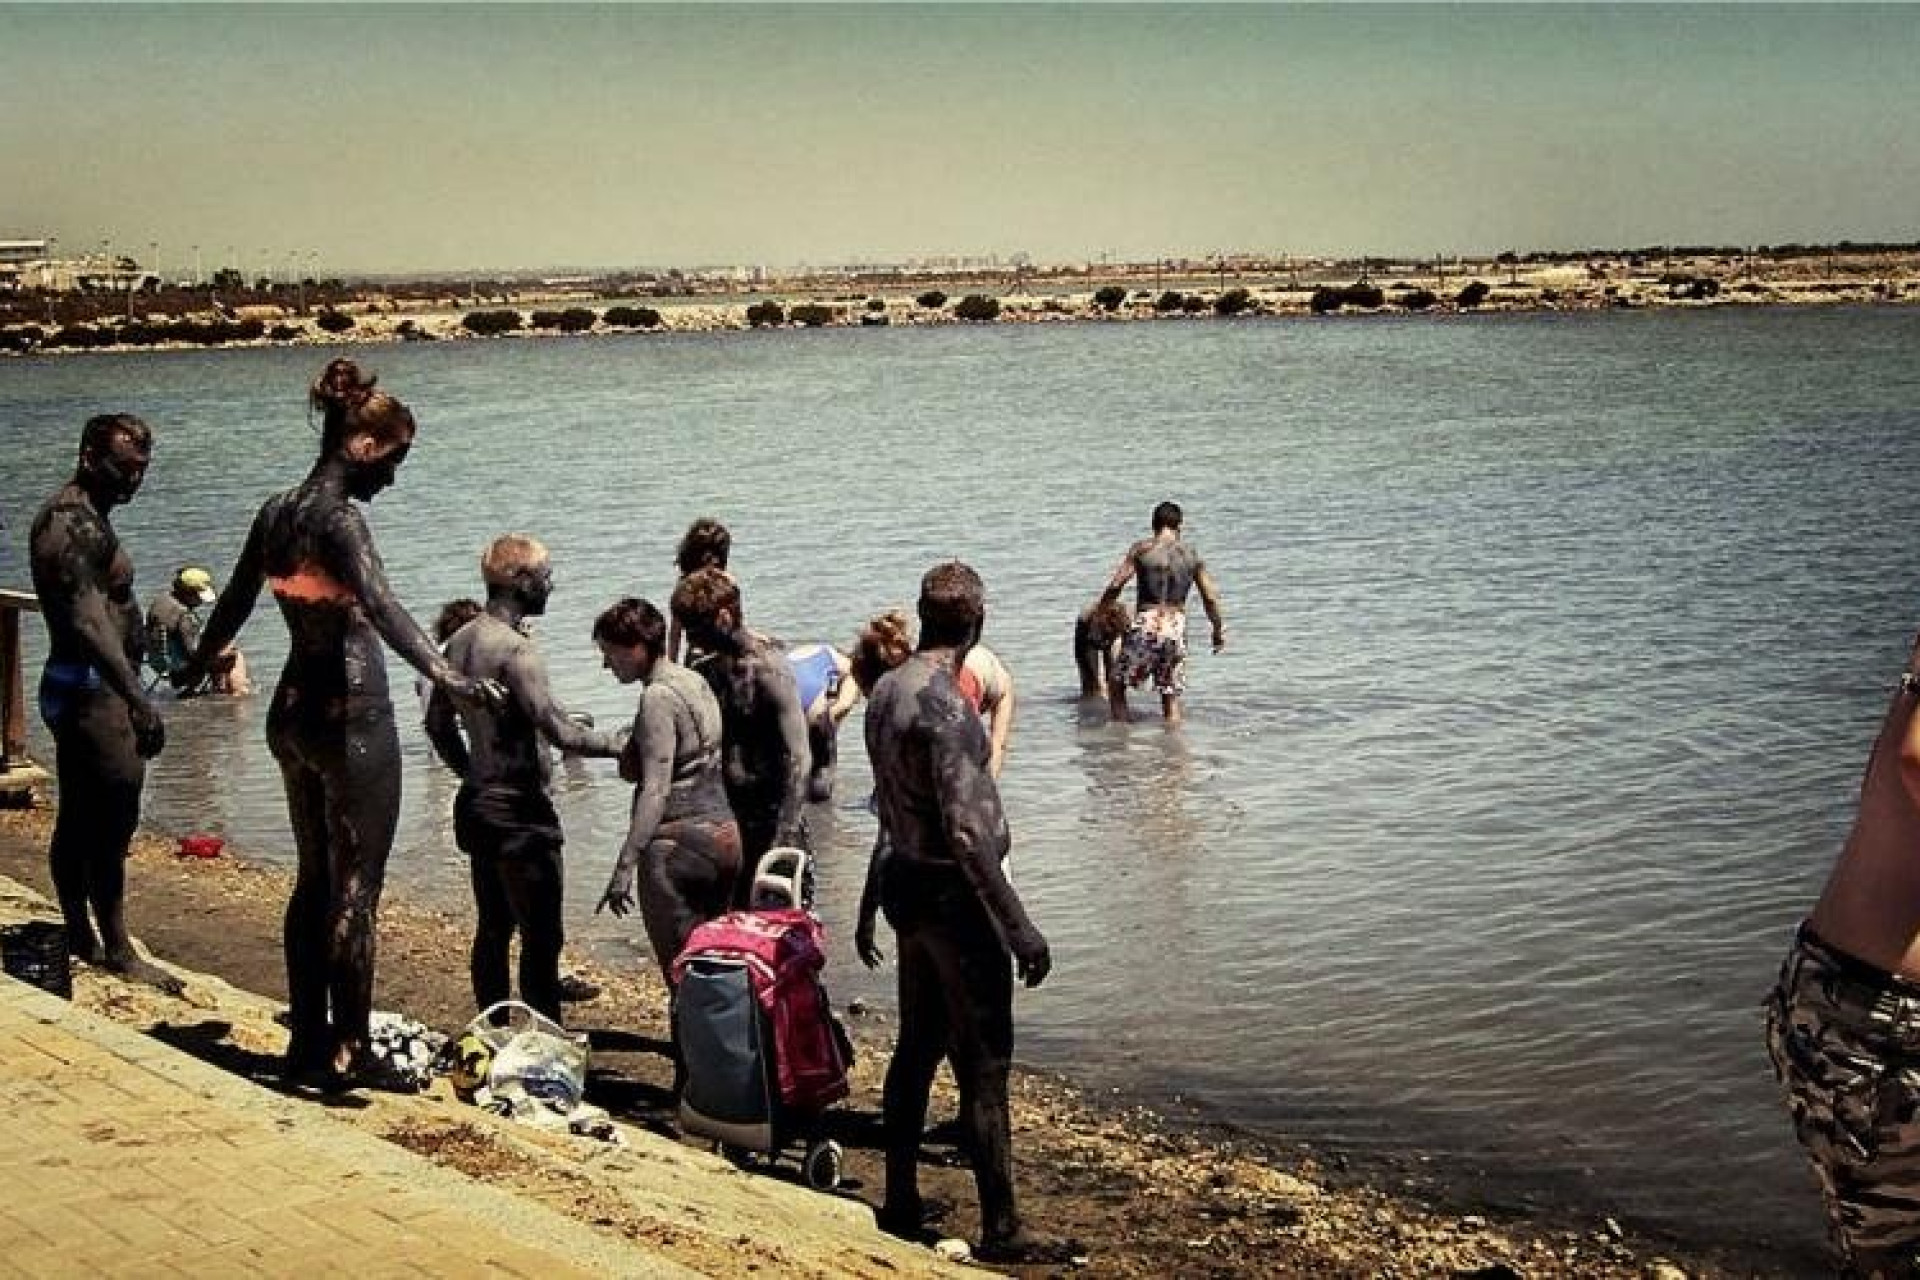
[(1557, 644)]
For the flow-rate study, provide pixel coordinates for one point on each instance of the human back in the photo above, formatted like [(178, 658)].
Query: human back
[(503, 742), (1163, 572), (1870, 906)]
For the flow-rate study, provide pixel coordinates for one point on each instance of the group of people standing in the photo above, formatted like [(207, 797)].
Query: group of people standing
[(733, 734)]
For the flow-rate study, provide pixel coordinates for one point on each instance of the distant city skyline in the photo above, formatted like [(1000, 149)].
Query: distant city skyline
[(393, 139)]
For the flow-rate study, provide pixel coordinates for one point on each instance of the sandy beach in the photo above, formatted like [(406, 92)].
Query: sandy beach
[(1143, 1194)]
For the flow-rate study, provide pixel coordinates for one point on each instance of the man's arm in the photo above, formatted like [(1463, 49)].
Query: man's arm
[(1210, 601), (863, 944), (443, 731), (777, 685), (652, 748), (1121, 576), (1000, 723), (526, 679), (976, 831)]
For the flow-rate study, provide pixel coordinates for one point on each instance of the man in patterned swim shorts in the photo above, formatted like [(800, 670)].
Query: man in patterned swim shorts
[(1165, 571), (1843, 1022)]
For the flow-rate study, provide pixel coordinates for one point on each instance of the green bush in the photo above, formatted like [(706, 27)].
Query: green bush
[(1110, 297), (1330, 298), (1193, 304), (284, 333), (977, 307), (25, 338), (331, 321), (932, 299), (1171, 300), (1418, 299), (1473, 295), (632, 318), (762, 314), (811, 314), (1232, 302), (490, 323), (876, 304), (80, 337)]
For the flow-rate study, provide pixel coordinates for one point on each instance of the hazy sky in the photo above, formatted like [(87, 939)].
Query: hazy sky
[(395, 137)]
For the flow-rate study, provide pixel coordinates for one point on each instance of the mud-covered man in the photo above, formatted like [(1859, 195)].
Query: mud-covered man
[(961, 928), (1165, 570), (765, 753), (104, 727), (504, 820), (1843, 1023)]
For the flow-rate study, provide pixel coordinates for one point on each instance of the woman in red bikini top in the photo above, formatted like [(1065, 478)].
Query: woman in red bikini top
[(330, 725)]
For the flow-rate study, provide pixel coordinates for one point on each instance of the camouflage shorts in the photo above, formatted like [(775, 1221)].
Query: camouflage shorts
[(1844, 1037)]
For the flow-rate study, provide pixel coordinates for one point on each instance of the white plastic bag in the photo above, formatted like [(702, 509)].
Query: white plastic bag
[(534, 1059)]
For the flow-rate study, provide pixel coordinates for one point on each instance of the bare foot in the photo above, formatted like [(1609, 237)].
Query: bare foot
[(1024, 1249), (134, 969)]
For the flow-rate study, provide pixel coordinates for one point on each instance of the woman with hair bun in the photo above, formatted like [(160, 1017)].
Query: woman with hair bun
[(330, 725)]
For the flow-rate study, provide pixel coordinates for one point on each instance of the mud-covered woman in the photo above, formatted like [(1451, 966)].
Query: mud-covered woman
[(330, 724)]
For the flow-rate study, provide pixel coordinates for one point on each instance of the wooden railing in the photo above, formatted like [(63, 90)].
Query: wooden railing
[(13, 701)]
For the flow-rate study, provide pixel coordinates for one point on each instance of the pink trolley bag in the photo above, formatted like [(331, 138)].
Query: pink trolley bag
[(764, 1057)]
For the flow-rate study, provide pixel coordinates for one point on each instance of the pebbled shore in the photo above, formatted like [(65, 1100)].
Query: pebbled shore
[(1142, 1194)]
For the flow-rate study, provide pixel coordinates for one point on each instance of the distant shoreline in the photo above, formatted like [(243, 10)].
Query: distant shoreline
[(368, 317)]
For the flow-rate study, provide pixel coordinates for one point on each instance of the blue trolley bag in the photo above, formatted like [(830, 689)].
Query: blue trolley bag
[(726, 1095)]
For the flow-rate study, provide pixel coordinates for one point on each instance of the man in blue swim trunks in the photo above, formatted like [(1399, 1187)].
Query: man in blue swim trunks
[(1165, 570), (104, 727)]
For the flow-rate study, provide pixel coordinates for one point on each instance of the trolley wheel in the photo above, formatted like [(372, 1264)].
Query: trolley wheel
[(823, 1164)]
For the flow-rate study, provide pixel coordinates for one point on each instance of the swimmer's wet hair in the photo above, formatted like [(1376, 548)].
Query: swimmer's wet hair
[(454, 614), (883, 644), (630, 621), (706, 543), (509, 555), (99, 432), (1167, 516), (1111, 619), (351, 408), (952, 601), (702, 594)]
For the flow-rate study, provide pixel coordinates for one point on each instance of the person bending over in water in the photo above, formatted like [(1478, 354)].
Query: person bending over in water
[(1096, 644), (681, 857), (987, 686), (765, 735), (827, 697), (104, 727), (503, 818), (1843, 1021), (330, 724), (705, 545), (955, 916), (1166, 570), (173, 631)]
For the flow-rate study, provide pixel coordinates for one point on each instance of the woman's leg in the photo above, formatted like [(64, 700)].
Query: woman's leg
[(363, 808)]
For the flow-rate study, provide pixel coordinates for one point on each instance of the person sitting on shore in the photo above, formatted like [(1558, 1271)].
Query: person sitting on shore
[(1843, 1021), (764, 732), (1097, 634), (681, 857), (503, 817), (173, 632), (330, 725), (1166, 570), (828, 696), (705, 545), (104, 727)]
